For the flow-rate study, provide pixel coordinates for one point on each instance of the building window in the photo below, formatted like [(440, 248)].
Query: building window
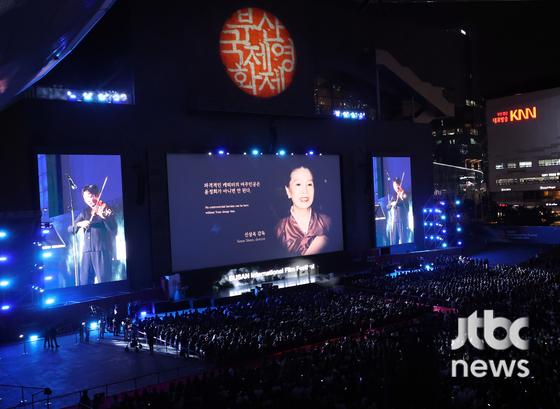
[(539, 179), (526, 164), (339, 91), (506, 182), (512, 165), (499, 166), (549, 162)]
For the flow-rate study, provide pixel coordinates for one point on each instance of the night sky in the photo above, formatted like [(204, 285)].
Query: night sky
[(514, 45)]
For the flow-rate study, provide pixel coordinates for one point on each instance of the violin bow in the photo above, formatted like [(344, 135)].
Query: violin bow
[(99, 196)]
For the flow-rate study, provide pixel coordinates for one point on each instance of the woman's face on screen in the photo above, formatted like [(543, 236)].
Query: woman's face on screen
[(301, 189)]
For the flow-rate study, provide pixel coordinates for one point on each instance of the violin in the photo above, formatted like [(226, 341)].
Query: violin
[(101, 209), (401, 195)]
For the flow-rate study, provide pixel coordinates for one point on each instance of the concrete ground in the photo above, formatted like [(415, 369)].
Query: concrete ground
[(77, 366)]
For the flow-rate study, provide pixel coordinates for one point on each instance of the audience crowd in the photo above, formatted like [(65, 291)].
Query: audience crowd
[(352, 358), (276, 320)]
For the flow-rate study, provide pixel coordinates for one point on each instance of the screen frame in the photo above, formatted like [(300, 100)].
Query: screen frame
[(267, 261), (119, 285), (373, 234)]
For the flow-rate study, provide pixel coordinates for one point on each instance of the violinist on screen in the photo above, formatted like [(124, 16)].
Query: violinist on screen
[(397, 224), (100, 227)]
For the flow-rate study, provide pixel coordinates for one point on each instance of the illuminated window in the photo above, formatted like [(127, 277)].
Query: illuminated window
[(538, 179), (527, 164), (512, 165), (549, 162), (499, 166), (341, 92), (506, 182)]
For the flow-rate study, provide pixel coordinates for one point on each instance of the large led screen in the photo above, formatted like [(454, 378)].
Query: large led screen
[(392, 191), (82, 234), (234, 209)]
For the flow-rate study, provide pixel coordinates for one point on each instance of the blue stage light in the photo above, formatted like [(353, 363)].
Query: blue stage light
[(209, 153), (4, 283), (46, 254), (49, 301), (457, 202), (458, 216), (459, 243), (3, 258), (442, 203), (221, 152), (430, 210), (443, 217), (33, 338), (45, 231), (6, 307), (459, 229), (311, 153), (143, 313), (3, 234), (255, 152), (88, 96), (444, 231), (425, 210), (282, 152), (93, 325), (431, 237), (349, 114), (444, 245), (48, 278)]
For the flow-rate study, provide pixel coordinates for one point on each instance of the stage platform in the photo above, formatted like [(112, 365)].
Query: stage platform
[(77, 366)]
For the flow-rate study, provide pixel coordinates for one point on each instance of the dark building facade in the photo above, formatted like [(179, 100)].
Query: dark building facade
[(179, 98)]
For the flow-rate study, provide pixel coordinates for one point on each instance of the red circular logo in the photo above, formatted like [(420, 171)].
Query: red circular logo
[(258, 52)]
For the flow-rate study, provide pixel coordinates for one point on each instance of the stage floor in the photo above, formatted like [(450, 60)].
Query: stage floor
[(74, 367)]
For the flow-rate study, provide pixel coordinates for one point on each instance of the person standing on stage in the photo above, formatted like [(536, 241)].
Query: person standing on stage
[(100, 228), (397, 226), (102, 327)]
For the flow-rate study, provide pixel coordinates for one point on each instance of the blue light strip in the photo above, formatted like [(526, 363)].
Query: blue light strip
[(355, 115)]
